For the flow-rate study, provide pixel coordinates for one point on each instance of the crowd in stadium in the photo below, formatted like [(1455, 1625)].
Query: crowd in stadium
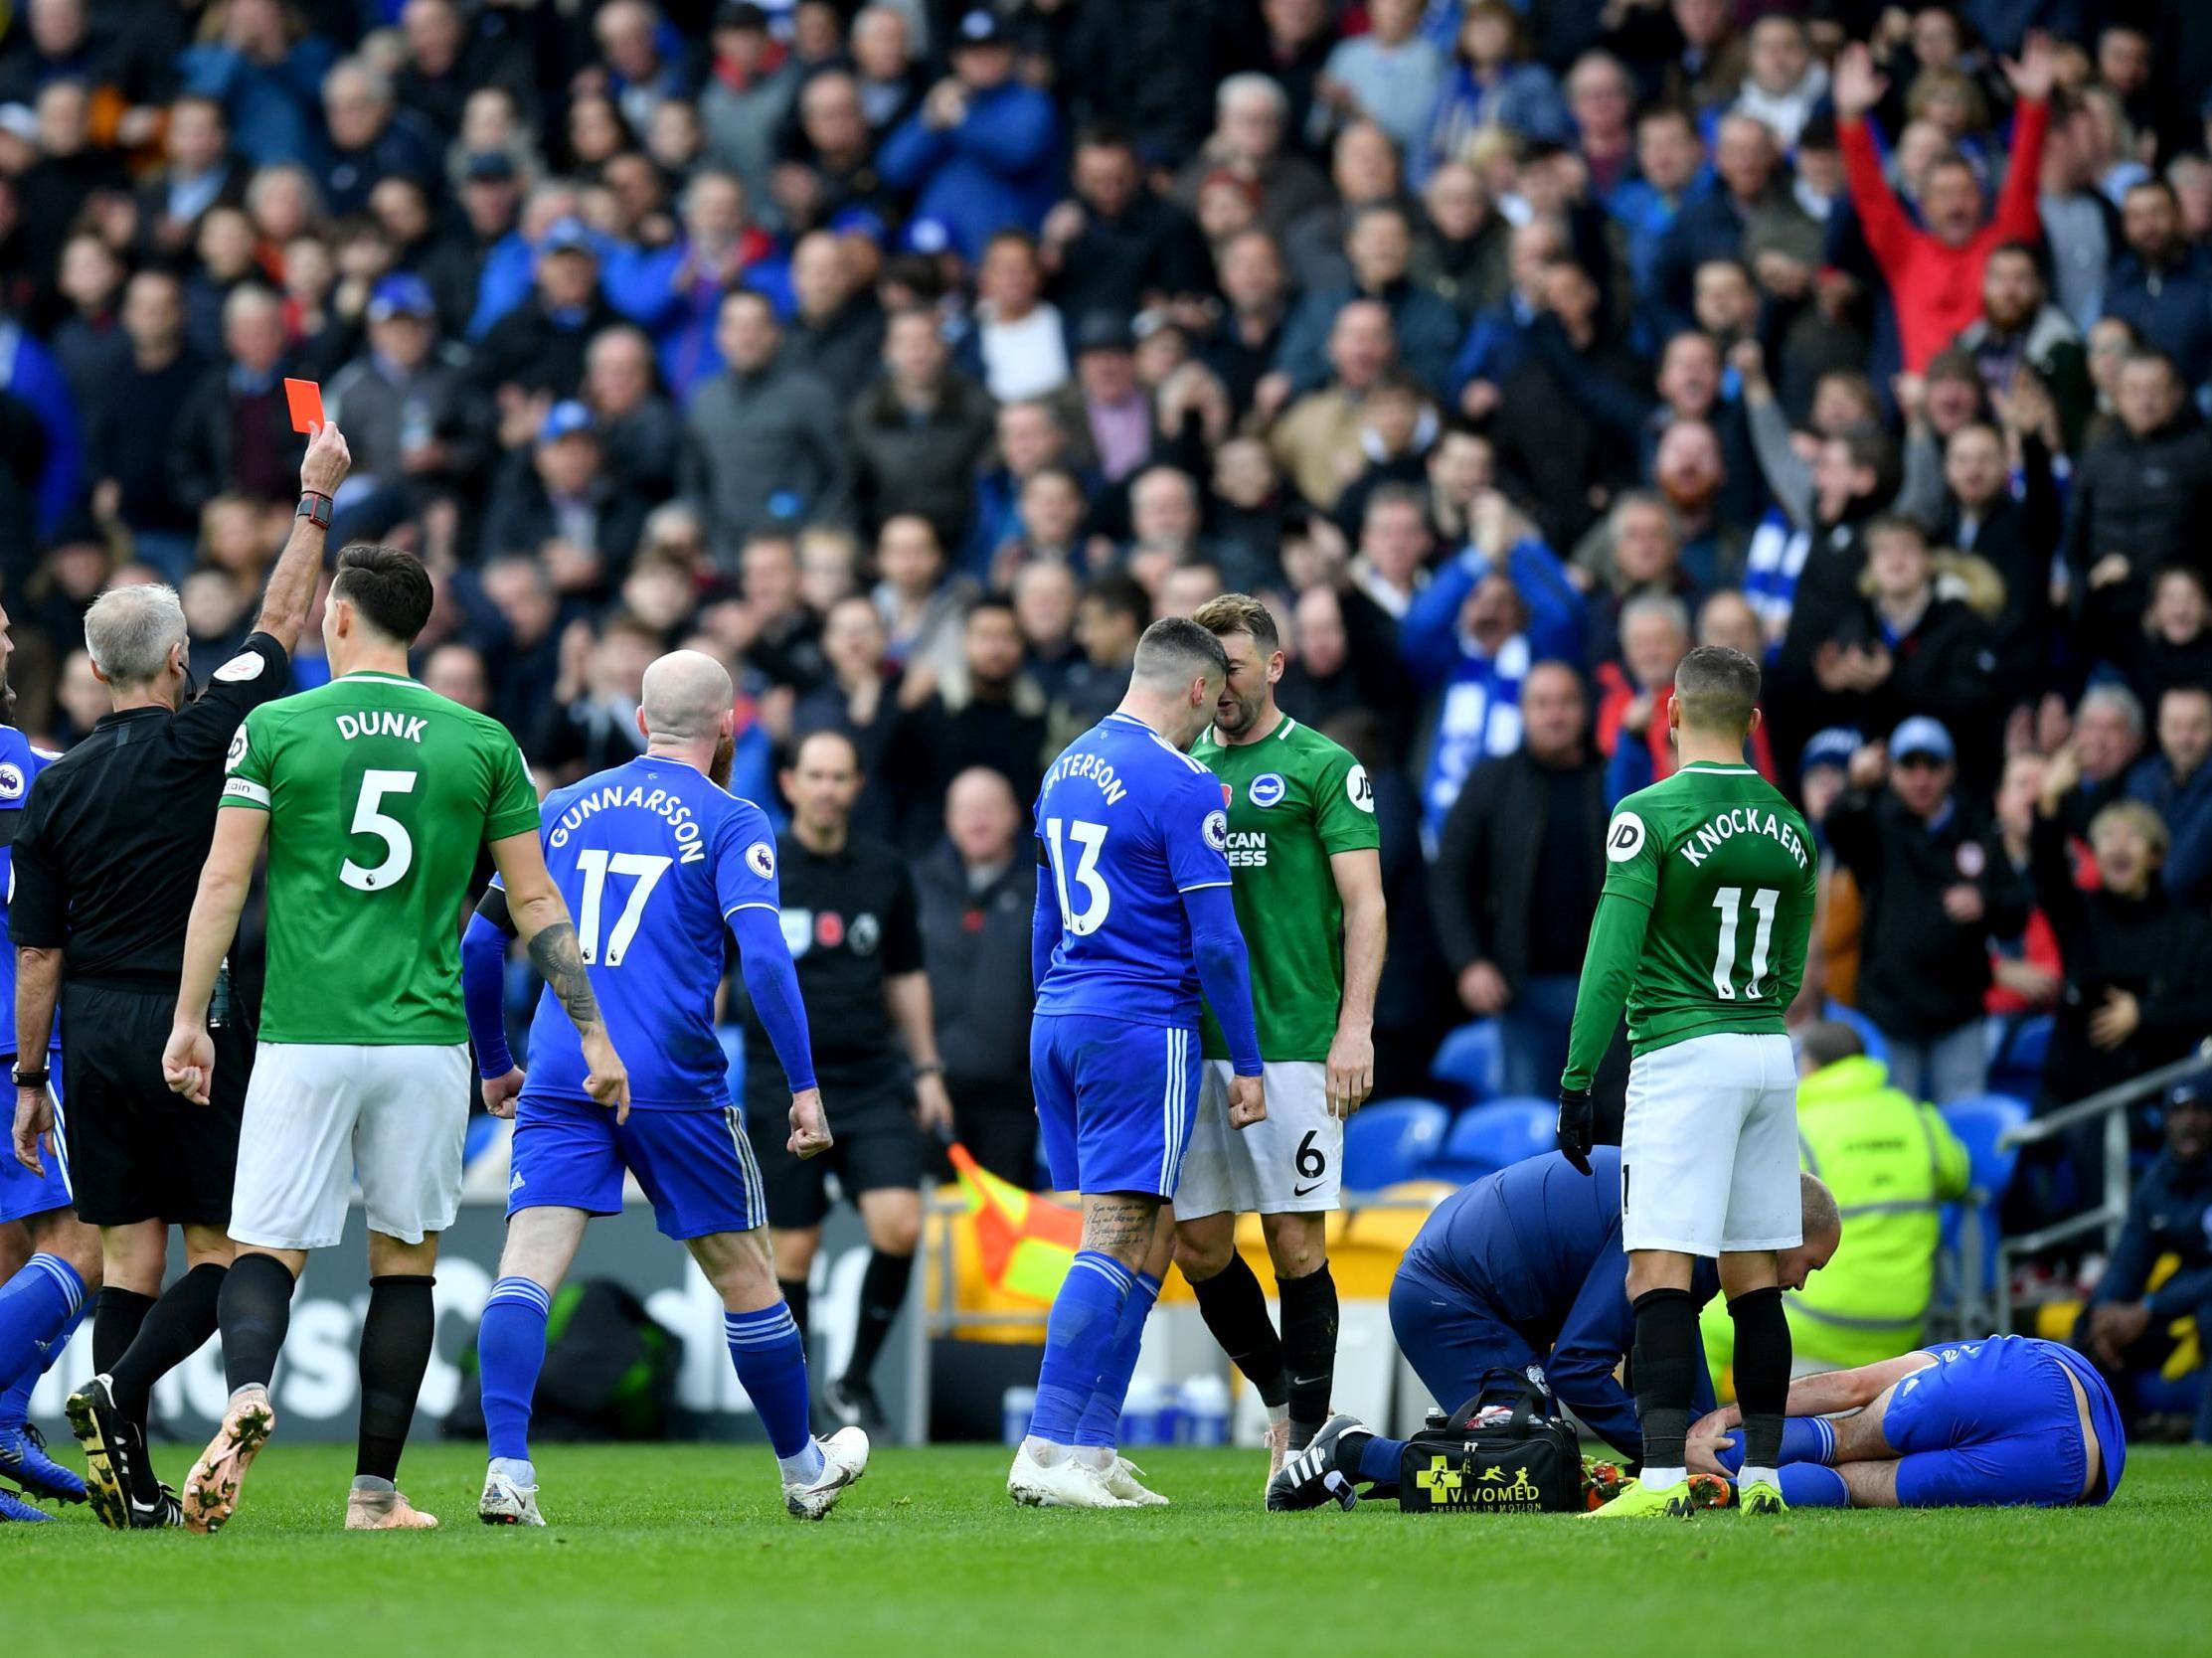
[(911, 358)]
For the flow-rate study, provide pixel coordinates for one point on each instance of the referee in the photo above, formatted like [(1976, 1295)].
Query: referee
[(853, 924), (106, 867)]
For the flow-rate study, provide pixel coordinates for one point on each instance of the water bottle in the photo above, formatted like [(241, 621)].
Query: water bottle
[(1205, 1405), (1015, 1409), (1140, 1413)]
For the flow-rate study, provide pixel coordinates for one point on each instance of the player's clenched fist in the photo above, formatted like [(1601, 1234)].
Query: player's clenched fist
[(610, 1080), (323, 468), (188, 1063), (1248, 1101), (810, 1126), (500, 1092)]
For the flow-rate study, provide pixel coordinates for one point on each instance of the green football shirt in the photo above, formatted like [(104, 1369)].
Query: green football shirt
[(1703, 923), (379, 793), (1294, 798)]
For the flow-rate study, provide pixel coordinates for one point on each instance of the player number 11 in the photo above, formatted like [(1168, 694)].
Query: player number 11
[(1729, 902)]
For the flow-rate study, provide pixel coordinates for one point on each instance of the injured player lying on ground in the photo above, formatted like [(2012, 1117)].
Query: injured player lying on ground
[(2003, 1421)]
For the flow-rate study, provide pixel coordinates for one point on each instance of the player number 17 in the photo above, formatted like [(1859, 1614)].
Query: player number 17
[(1729, 902), (645, 870)]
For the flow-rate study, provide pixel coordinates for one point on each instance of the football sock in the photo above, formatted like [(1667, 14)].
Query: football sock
[(256, 1310), (771, 1360), (1235, 1308), (799, 1297), (1078, 1339), (397, 1335), (177, 1327), (1665, 1364), (1369, 1458), (883, 1291), (1309, 1349), (1102, 1417), (1809, 1439), (15, 1404), (117, 1315), (1809, 1485), (39, 1307), (1762, 1371), (510, 1350)]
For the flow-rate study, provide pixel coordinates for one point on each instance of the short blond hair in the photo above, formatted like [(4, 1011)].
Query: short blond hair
[(2138, 815)]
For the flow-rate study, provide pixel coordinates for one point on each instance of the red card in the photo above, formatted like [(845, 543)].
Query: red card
[(306, 399)]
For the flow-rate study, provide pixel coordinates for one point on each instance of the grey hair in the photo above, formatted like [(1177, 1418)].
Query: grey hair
[(248, 297), (686, 695), (130, 631), (2118, 698), (1252, 83), (1656, 604), (373, 79), (1174, 650)]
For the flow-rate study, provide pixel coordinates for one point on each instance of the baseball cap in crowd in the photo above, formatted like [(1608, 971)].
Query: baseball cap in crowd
[(2197, 1091), (20, 120), (861, 222), (488, 167), (1922, 734), (1104, 331), (979, 27), (401, 295), (567, 234), (1833, 746), (565, 418), (741, 13)]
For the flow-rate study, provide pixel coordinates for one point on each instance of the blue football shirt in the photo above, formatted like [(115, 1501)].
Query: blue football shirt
[(20, 763), (652, 859), (1129, 823)]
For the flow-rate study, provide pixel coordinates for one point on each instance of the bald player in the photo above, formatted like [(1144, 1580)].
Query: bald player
[(657, 860)]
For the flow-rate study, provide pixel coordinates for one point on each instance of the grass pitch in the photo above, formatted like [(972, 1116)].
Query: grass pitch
[(687, 1550)]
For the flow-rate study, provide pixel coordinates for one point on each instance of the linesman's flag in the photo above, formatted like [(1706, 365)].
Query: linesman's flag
[(1027, 1242)]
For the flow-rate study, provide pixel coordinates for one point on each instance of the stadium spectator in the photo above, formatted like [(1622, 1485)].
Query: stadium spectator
[(1935, 887), (560, 504), (2177, 783), (2163, 287), (1112, 241), (973, 894), (917, 434), (763, 441), (2127, 1326), (1516, 876)]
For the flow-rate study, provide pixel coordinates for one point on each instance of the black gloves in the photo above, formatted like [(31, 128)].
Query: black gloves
[(1576, 1118)]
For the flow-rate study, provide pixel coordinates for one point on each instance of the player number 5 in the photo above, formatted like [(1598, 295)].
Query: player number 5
[(1097, 899), (1729, 902), (399, 847)]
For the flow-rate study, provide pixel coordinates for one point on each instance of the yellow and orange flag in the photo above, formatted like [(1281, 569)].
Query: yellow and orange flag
[(1026, 1241)]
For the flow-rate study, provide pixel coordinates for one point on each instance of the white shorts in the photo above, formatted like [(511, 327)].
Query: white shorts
[(1291, 1162), (319, 1114), (1709, 1147)]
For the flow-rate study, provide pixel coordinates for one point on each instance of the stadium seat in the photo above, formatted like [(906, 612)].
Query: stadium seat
[(1870, 1038), (1472, 1060), (1391, 1141), (2016, 1067), (1488, 1139), (1968, 1245)]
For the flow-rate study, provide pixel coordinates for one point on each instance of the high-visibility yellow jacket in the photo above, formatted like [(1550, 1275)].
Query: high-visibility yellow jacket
[(1892, 1163)]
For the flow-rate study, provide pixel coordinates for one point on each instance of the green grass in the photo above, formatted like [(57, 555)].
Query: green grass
[(686, 1549)]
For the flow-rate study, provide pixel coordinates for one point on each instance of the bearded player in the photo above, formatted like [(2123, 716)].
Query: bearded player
[(374, 795), (1701, 931), (1306, 877)]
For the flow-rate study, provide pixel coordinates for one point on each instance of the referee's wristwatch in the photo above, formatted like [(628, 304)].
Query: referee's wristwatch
[(30, 1078), (315, 508)]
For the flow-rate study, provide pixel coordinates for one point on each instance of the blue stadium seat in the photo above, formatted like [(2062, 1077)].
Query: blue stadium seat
[(1488, 1139), (1870, 1038), (1392, 1140), (2016, 1067), (1970, 1252), (1472, 1060)]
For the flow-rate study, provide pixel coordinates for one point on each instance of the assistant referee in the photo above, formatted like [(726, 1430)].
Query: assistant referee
[(106, 867)]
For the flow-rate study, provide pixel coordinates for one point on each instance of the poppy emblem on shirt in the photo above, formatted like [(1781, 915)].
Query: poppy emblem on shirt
[(1267, 790), (830, 930)]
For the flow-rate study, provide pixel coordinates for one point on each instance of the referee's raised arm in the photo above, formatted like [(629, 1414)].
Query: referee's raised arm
[(291, 584)]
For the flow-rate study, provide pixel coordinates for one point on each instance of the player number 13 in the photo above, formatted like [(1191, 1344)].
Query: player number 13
[(1097, 898), (1729, 902)]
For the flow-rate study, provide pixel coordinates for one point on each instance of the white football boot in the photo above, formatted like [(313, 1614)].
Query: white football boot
[(1120, 1478), (1063, 1484), (844, 1460), (507, 1501)]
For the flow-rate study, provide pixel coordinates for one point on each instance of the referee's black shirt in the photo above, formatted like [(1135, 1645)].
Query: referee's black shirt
[(851, 920), (116, 831)]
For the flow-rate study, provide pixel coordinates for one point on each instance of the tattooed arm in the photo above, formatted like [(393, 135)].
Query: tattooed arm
[(542, 921)]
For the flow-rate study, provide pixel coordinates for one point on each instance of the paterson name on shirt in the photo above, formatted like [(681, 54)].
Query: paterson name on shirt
[(1129, 823)]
